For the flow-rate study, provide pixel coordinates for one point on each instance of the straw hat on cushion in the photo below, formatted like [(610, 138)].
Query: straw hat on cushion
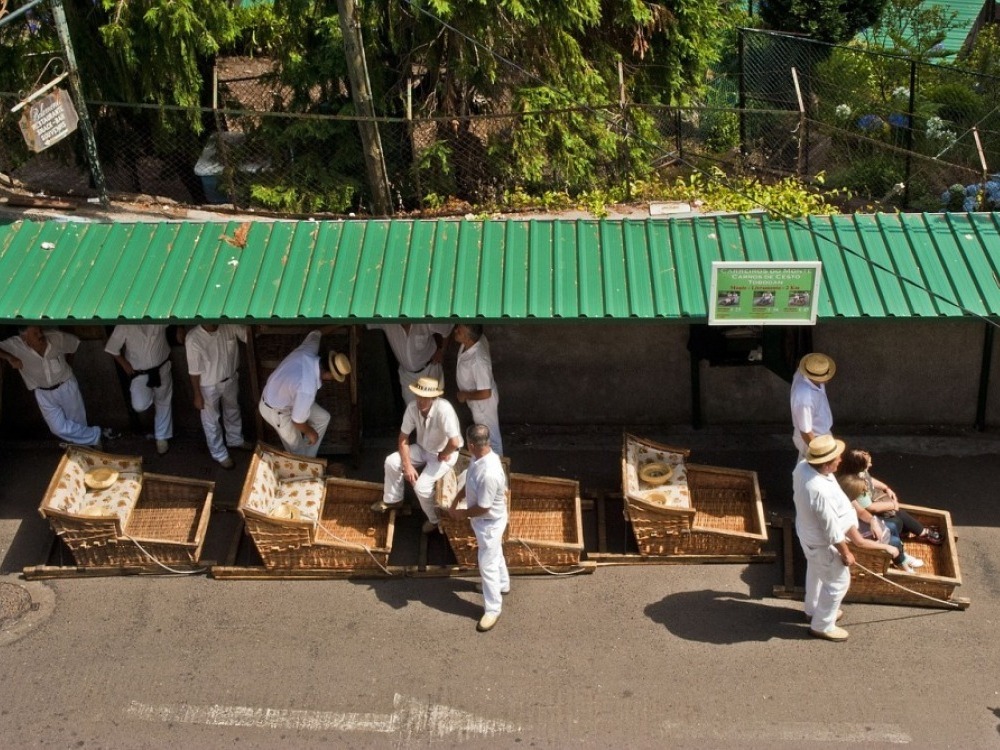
[(287, 511), (427, 387), (100, 478), (819, 368), (823, 449), (339, 365)]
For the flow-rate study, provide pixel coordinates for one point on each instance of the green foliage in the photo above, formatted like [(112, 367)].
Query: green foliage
[(825, 20), (872, 178), (957, 103), (912, 28), (715, 191)]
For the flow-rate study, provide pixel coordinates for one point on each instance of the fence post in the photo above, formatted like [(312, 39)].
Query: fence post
[(800, 161), (624, 133), (742, 92), (909, 134)]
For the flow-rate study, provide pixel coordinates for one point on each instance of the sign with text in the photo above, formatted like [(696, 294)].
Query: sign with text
[(48, 119), (764, 293)]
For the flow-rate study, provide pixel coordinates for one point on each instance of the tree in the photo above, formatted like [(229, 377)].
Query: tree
[(824, 20)]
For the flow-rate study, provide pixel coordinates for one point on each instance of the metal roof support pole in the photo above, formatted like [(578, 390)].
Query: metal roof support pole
[(371, 142), (89, 142), (984, 375)]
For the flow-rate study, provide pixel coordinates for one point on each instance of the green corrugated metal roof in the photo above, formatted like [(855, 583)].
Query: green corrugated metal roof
[(966, 12), (882, 265)]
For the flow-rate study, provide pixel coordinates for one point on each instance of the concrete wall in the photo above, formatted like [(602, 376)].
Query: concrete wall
[(889, 372)]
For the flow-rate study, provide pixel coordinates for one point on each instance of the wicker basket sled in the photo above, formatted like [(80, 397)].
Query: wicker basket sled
[(544, 528), (705, 511), (300, 519), (938, 577), (140, 520)]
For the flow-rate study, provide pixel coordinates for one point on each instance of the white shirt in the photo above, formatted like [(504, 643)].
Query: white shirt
[(145, 345), (486, 486), (294, 382), (413, 350), (823, 514), (810, 407), (43, 371), (474, 368), (434, 432), (214, 357)]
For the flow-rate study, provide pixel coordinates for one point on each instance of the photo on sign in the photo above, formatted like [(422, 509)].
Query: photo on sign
[(799, 299), (763, 298), (729, 299)]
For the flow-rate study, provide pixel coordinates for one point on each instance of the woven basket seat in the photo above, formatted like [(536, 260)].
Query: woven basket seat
[(938, 577), (710, 511), (298, 518), (138, 521)]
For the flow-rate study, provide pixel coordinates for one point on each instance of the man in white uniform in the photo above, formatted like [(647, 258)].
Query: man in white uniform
[(40, 357), (419, 350), (439, 437), (146, 360), (474, 378), (213, 357), (811, 413), (485, 493), (288, 402), (824, 521)]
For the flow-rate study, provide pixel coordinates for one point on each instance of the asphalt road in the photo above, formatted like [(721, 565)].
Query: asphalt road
[(699, 656)]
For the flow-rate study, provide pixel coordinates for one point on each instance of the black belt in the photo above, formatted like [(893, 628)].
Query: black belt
[(272, 408), (51, 387), (153, 381), (414, 372)]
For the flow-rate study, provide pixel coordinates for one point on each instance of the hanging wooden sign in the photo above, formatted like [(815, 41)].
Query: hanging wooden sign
[(48, 119)]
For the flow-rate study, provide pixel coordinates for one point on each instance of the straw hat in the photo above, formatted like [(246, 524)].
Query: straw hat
[(819, 368), (823, 449), (93, 510), (100, 478), (339, 365), (427, 387), (655, 472), (287, 511)]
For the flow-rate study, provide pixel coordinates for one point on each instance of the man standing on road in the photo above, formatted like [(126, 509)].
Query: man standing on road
[(419, 350), (146, 360), (213, 357), (474, 378), (288, 402), (825, 521), (439, 436), (41, 358), (485, 493), (811, 413)]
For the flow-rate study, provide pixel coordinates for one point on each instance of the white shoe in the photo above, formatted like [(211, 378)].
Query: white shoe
[(162, 446), (913, 562), (486, 622)]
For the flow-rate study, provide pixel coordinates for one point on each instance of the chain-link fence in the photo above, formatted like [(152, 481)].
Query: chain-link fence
[(893, 132)]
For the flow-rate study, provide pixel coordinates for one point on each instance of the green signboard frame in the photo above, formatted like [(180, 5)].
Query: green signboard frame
[(764, 293)]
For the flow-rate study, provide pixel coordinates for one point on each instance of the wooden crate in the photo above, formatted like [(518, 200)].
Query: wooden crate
[(166, 525), (938, 577), (268, 345), (345, 535), (707, 510), (546, 524)]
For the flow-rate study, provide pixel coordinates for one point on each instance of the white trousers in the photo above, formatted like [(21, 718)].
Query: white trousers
[(143, 397), (484, 412), (492, 565), (291, 438), (827, 581), (64, 413), (406, 378), (434, 469), (222, 400)]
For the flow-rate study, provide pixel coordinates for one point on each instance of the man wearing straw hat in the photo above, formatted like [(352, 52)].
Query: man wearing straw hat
[(439, 437), (485, 493), (811, 413), (213, 357), (825, 521), (288, 401)]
